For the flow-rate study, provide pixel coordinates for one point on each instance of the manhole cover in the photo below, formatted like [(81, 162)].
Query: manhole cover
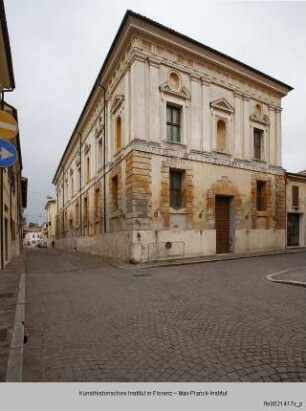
[(6, 295), (3, 333)]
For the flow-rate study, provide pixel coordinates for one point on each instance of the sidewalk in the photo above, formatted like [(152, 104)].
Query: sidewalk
[(204, 259), (9, 288)]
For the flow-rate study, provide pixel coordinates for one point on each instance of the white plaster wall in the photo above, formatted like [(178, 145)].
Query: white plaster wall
[(115, 245), (247, 240), (195, 242)]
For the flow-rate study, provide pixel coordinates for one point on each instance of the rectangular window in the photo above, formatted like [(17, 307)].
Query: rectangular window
[(85, 212), (87, 168), (71, 187), (295, 197), (99, 154), (173, 123), (97, 203), (176, 180), (118, 133), (261, 195), (258, 144), (115, 191)]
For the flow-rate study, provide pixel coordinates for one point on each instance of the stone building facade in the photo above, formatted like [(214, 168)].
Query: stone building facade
[(296, 209), (50, 229), (177, 153), (13, 187)]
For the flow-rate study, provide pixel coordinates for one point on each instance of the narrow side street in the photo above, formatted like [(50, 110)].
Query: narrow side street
[(222, 321)]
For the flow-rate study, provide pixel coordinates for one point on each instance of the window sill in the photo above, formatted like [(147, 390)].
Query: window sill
[(224, 153), (182, 210), (259, 160), (262, 213), (174, 143)]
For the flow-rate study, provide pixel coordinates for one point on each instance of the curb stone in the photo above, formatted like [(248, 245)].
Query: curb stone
[(271, 277), (14, 365)]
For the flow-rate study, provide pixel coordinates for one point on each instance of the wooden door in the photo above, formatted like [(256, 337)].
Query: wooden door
[(222, 224)]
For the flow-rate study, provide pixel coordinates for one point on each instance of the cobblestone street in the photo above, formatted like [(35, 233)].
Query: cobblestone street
[(221, 321)]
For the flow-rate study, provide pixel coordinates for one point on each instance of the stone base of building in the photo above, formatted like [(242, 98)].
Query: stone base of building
[(143, 246)]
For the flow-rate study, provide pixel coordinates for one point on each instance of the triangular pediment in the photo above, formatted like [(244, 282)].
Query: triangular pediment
[(222, 104), (183, 92), (118, 99), (260, 119)]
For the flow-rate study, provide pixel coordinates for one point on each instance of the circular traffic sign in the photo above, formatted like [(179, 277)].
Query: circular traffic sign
[(8, 125), (8, 154)]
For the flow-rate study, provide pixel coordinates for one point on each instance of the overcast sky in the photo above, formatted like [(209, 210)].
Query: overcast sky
[(58, 47)]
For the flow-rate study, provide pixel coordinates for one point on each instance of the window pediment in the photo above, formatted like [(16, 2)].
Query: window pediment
[(182, 92), (87, 148), (117, 102), (264, 119), (222, 104)]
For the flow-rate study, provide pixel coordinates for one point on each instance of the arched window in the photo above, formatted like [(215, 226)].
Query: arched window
[(221, 135), (118, 134)]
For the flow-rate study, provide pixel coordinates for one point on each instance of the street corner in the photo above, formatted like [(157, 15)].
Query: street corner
[(293, 276)]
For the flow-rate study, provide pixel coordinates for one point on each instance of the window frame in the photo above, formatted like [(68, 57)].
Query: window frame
[(176, 180), (118, 142), (224, 121), (171, 124), (261, 195), (258, 136), (115, 192), (295, 196)]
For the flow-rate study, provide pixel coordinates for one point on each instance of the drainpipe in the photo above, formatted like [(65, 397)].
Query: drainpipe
[(104, 160)]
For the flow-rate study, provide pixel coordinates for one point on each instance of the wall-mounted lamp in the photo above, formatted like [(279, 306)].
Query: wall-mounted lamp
[(201, 214), (138, 236)]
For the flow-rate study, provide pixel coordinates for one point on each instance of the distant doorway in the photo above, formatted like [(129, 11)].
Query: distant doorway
[(293, 229), (223, 225)]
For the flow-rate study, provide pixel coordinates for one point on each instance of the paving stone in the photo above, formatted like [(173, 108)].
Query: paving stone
[(89, 321)]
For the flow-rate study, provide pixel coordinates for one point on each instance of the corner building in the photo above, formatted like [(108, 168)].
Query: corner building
[(177, 152)]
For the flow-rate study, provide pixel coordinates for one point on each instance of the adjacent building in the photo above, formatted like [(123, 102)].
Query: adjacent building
[(50, 228), (296, 209), (177, 152), (13, 187), (33, 236)]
